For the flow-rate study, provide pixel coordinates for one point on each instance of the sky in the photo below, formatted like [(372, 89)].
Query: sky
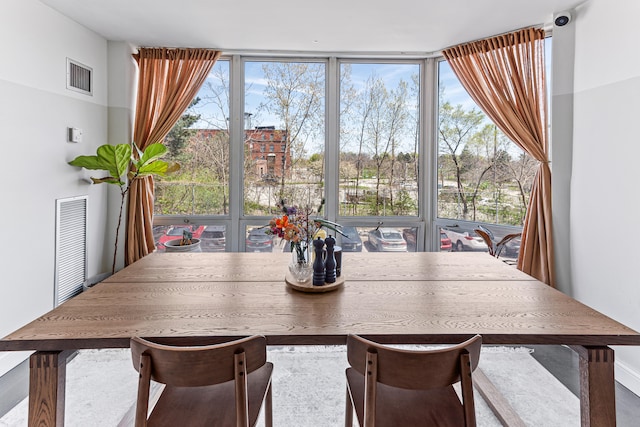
[(390, 73), (255, 85)]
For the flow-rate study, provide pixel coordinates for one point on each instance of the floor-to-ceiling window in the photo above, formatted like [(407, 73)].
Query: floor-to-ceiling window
[(379, 149), (197, 197), (482, 176), (393, 149), (284, 141)]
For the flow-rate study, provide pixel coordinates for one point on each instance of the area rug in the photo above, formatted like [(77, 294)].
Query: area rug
[(309, 388)]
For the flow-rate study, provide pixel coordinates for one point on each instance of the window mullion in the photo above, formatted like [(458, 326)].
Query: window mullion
[(331, 161), (236, 140), (429, 162)]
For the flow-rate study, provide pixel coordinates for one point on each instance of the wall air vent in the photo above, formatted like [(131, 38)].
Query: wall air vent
[(79, 77), (71, 248)]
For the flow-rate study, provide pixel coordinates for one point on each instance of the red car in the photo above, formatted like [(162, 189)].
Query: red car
[(175, 232), (445, 242), (409, 235)]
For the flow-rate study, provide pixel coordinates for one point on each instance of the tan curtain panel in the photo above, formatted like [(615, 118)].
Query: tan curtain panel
[(168, 80), (505, 75)]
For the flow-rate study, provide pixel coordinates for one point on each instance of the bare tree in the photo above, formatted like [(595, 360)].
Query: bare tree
[(215, 154), (383, 126), (214, 102), (397, 118), (362, 110), (484, 157), (523, 171), (456, 128), (414, 93), (295, 94)]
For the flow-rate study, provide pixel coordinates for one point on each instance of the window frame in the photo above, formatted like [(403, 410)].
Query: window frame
[(426, 223), (452, 223)]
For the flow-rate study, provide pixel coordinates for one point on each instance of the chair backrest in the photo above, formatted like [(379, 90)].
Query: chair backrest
[(503, 242), (495, 248), (201, 365), (197, 366), (413, 369), (487, 239)]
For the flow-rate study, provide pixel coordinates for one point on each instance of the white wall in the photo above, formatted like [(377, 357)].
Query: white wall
[(562, 77), (35, 111), (606, 155), (123, 73)]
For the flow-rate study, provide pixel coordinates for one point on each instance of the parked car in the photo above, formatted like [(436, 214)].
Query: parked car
[(387, 240), (175, 232), (511, 248), (353, 242), (465, 241), (159, 231), (259, 241), (445, 242), (213, 239)]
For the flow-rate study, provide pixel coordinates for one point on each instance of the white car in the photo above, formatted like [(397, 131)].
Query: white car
[(387, 240), (465, 241)]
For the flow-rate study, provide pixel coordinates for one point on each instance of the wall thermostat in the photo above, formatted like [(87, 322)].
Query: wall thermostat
[(74, 135)]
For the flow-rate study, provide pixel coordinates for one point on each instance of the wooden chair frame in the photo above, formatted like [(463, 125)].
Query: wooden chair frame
[(426, 372), (495, 248), (206, 369)]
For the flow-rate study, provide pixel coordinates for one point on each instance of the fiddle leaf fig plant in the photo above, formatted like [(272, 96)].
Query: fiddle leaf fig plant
[(123, 168)]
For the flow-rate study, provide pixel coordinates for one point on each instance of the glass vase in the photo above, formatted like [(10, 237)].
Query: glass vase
[(300, 266)]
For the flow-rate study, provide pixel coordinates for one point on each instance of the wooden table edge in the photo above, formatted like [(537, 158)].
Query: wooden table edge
[(329, 339)]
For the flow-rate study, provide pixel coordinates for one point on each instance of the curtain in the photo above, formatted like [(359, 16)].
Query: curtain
[(168, 81), (505, 75)]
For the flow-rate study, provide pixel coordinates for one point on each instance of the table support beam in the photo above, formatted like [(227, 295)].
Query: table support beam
[(47, 373), (597, 386), (500, 406)]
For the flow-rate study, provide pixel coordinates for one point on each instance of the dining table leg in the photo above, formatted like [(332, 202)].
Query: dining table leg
[(47, 376), (597, 386)]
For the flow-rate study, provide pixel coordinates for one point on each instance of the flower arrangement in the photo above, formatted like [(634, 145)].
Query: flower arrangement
[(299, 226)]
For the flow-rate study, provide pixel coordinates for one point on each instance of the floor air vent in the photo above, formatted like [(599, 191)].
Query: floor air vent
[(79, 77), (71, 247)]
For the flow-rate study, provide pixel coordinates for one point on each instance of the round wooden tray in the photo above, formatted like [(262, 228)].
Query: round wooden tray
[(308, 285)]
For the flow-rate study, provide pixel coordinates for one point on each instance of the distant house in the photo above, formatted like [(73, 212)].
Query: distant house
[(267, 148)]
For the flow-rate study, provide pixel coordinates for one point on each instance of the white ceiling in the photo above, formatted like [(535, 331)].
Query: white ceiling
[(367, 26)]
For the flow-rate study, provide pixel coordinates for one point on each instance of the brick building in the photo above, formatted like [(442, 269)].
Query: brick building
[(267, 148)]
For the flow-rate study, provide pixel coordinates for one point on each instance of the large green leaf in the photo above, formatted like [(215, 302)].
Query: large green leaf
[(152, 152), (115, 159), (88, 162), (158, 167)]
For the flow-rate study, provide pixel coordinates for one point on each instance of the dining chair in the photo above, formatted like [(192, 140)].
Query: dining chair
[(216, 385), (495, 247), (396, 387)]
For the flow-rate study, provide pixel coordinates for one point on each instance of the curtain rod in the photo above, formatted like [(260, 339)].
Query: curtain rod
[(546, 29), (358, 54), (339, 54)]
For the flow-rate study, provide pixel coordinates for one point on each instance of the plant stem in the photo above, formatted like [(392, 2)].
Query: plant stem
[(115, 249), (123, 193)]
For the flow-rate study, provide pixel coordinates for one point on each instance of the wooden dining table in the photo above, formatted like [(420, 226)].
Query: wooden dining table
[(395, 298)]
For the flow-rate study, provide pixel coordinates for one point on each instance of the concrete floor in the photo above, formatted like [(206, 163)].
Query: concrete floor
[(563, 363)]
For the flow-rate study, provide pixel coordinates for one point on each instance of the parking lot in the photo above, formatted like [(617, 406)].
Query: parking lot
[(358, 240)]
